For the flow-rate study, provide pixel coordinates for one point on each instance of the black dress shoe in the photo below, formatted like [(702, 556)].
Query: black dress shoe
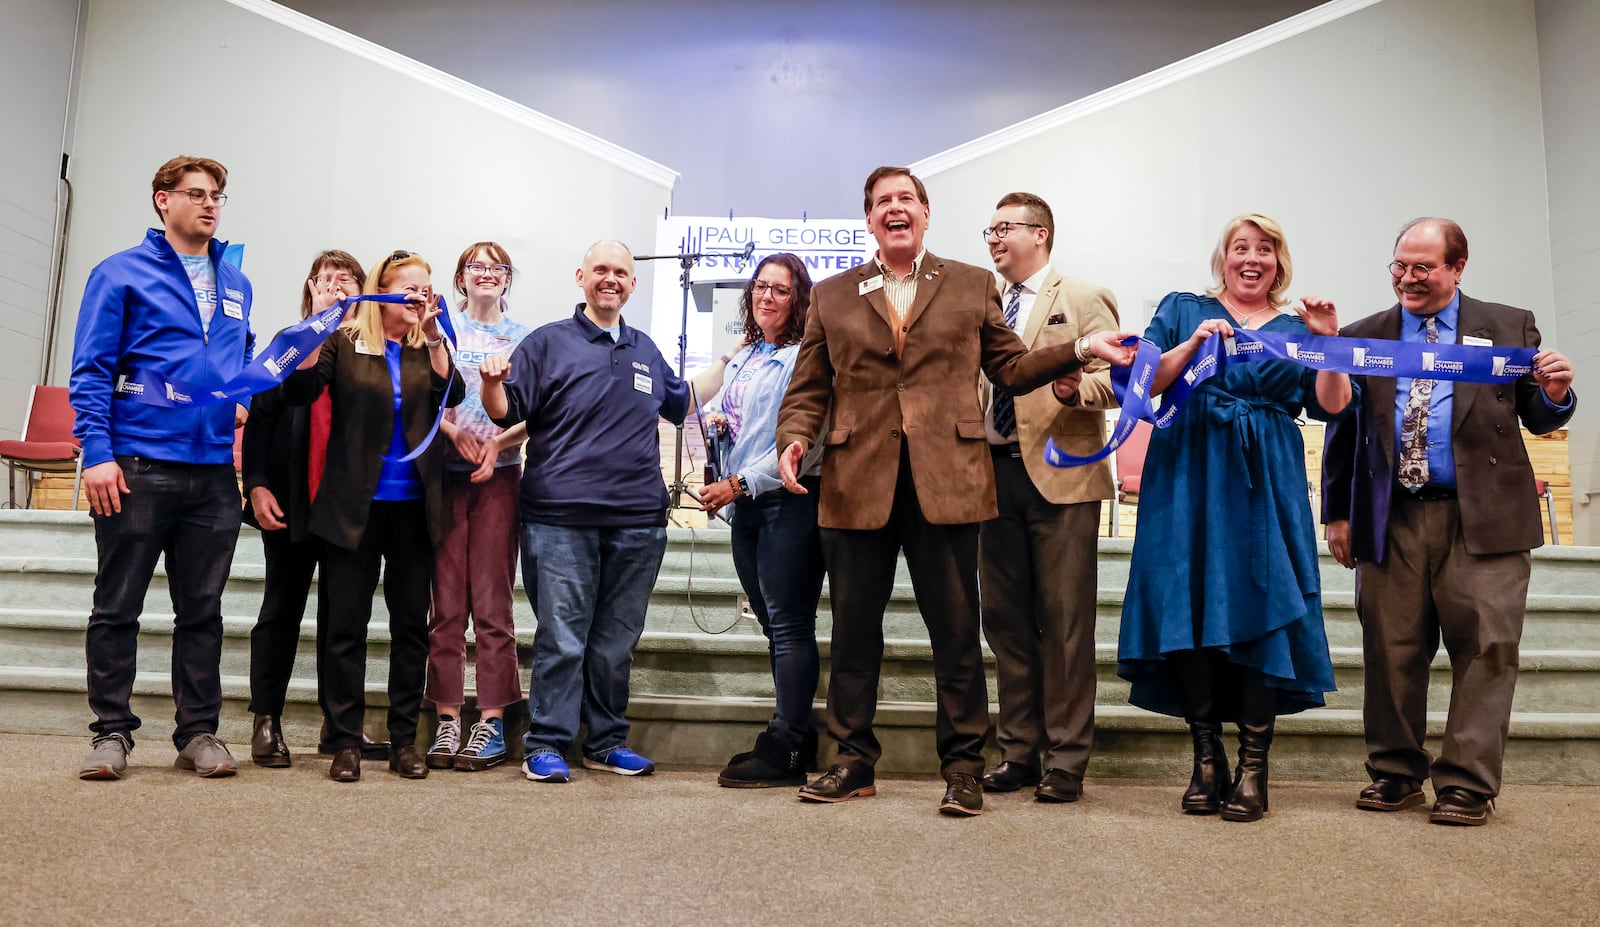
[(407, 762), (370, 749), (1058, 785), (1462, 807), (962, 796), (1009, 776), (1390, 793), (346, 765), (840, 783), (267, 748)]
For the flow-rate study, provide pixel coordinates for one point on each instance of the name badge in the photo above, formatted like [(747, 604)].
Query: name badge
[(232, 309), (641, 382), (1480, 342), (362, 348), (868, 285)]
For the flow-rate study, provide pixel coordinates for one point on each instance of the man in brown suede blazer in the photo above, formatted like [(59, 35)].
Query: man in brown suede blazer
[(1037, 559), (891, 350)]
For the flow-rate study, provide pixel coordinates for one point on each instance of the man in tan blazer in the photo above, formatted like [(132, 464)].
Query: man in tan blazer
[(891, 350), (1036, 563)]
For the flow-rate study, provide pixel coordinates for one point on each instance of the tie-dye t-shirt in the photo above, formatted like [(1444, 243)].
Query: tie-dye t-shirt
[(203, 277), (478, 341)]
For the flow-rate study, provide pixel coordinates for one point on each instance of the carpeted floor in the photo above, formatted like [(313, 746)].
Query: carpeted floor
[(291, 847)]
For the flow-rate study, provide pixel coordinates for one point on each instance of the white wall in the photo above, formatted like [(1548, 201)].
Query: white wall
[(1569, 34), (333, 142), (1341, 132), (37, 49)]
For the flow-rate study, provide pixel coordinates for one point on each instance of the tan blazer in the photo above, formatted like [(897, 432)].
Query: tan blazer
[(1065, 309), (848, 364)]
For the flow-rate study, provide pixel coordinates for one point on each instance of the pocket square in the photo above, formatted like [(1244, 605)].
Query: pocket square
[(1057, 319)]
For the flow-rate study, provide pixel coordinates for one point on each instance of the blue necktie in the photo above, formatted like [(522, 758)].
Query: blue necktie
[(1005, 411)]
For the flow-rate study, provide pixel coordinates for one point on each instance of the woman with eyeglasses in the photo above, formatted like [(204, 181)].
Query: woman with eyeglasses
[(476, 564), (777, 550), (388, 372), (281, 462), (1222, 621)]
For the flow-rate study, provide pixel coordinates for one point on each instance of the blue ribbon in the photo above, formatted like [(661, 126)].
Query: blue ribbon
[(271, 365), (1373, 357)]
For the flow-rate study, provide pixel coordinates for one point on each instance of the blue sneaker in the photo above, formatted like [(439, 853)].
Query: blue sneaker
[(622, 761), (546, 767), (486, 746)]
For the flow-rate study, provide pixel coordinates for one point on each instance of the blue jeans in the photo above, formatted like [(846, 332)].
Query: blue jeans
[(190, 514), (777, 553), (590, 588)]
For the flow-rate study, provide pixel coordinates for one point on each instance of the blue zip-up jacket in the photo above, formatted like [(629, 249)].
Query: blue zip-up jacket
[(139, 312)]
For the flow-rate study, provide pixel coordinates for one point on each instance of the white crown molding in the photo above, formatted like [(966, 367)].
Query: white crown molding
[(588, 143), (1139, 86)]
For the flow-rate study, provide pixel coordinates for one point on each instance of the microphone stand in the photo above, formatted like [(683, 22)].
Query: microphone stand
[(686, 260)]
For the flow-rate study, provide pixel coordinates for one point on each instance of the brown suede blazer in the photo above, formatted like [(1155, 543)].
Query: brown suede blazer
[(1065, 309), (363, 424), (848, 364)]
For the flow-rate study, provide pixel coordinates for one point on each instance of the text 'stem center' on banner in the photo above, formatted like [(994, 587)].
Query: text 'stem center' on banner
[(827, 246)]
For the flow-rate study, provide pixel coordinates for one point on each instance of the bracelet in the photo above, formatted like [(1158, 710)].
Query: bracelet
[(434, 343), (1081, 349)]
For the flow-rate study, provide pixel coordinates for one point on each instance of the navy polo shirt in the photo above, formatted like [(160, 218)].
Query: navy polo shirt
[(591, 405)]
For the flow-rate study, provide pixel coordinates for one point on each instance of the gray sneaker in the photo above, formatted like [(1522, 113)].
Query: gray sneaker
[(107, 759), (208, 756)]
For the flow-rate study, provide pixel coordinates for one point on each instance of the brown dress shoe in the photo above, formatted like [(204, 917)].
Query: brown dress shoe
[(407, 762), (963, 797), (1058, 785), (1009, 777), (1461, 807), (346, 765), (267, 748), (840, 783), (1390, 793)]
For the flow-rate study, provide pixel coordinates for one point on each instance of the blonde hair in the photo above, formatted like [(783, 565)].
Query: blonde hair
[(365, 321), (1273, 231)]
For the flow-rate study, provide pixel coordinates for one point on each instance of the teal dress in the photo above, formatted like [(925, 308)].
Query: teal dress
[(1225, 556)]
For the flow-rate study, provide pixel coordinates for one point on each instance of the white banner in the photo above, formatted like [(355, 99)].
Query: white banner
[(827, 246)]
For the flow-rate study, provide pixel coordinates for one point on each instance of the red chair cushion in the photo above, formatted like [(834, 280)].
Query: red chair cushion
[(45, 451)]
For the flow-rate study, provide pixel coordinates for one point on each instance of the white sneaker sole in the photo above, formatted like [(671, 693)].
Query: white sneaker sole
[(606, 767)]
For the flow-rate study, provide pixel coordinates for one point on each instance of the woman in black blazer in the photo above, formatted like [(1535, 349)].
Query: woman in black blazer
[(388, 371), (279, 442)]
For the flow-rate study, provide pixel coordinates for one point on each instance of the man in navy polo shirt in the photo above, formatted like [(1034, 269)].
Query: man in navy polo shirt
[(167, 313), (594, 510)]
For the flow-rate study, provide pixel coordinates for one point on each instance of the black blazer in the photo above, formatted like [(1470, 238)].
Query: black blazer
[(275, 454), (363, 424), (1494, 479)]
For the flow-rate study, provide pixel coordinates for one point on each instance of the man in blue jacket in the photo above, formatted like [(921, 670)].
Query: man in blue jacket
[(160, 324), (594, 510)]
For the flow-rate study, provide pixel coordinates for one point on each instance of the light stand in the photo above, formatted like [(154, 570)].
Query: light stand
[(686, 260)]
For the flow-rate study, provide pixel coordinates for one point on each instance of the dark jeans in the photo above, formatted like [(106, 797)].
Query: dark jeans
[(590, 588), (191, 514), (395, 542), (276, 636), (777, 552)]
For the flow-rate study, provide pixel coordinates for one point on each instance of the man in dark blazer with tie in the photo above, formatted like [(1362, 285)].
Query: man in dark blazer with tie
[(891, 351), (1429, 494)]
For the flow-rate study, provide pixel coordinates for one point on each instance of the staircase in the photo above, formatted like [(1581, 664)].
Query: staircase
[(701, 680)]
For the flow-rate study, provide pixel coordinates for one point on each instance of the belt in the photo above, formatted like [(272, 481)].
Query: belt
[(1006, 450), (1431, 494)]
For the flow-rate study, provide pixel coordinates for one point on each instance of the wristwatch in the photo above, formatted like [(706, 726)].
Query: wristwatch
[(740, 486)]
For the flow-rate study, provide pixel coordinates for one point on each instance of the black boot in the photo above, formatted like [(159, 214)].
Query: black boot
[(769, 765), (1258, 712), (1248, 802), (266, 743), (1208, 787)]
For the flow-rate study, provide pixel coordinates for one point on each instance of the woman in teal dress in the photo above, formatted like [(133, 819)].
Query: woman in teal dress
[(1223, 616)]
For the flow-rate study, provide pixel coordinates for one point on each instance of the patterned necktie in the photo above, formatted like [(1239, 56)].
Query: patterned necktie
[(1005, 411), (1414, 423)]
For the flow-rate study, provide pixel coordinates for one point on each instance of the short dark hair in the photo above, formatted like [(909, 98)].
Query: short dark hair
[(886, 171), (168, 175), (1455, 240), (343, 260), (796, 327), (1038, 213)]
